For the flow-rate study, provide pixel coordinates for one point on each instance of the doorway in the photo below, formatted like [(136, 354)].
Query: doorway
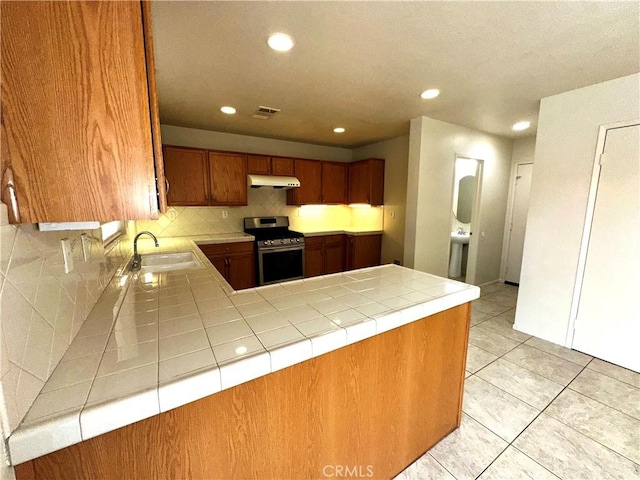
[(604, 309), (518, 223), (464, 213)]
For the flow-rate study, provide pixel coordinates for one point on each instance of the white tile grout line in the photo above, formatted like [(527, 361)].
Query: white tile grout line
[(543, 410)]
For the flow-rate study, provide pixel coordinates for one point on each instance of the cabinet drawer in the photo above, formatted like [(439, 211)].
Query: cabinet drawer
[(333, 239), (226, 248), (313, 242)]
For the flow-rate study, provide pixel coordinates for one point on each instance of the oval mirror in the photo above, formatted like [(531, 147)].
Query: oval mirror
[(466, 192)]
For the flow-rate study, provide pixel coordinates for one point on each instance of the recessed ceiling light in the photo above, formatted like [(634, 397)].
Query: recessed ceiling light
[(339, 130), (521, 126), (431, 93), (241, 350), (280, 42), (228, 110)]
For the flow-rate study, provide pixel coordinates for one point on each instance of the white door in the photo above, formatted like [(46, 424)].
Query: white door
[(518, 222), (607, 324)]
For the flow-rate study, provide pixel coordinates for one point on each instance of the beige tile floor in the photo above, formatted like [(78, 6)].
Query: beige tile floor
[(536, 410)]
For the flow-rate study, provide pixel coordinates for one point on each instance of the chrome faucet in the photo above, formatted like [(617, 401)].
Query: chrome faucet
[(137, 260)]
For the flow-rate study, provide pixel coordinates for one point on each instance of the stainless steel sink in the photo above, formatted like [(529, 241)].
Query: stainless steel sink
[(165, 262)]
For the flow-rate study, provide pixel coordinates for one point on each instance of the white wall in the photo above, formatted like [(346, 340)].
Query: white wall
[(396, 155), (523, 152), (191, 137), (564, 155), (433, 146)]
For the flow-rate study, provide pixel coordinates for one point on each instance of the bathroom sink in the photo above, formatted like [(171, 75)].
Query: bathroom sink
[(460, 238), (164, 262)]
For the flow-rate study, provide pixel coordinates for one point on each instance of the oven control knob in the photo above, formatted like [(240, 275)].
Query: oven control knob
[(281, 242), (297, 240)]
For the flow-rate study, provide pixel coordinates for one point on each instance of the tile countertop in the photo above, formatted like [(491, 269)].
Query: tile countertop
[(154, 342), (354, 232)]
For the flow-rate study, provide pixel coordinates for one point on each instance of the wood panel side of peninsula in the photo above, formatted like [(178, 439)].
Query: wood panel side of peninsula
[(369, 409)]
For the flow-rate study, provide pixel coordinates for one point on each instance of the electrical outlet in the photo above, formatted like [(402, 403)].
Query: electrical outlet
[(392, 213), (67, 255), (225, 213), (171, 214)]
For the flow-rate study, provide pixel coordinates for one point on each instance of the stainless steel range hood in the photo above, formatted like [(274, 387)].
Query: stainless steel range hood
[(257, 181)]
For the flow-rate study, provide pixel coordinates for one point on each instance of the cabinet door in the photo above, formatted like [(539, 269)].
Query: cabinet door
[(228, 178), (187, 174), (309, 172), (366, 182), (220, 262), (334, 182), (242, 271), (334, 254), (282, 166), (76, 112), (313, 261), (259, 164), (363, 251), (359, 182)]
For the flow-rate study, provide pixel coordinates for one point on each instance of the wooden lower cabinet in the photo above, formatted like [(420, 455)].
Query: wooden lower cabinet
[(363, 251), (236, 262), (324, 255), (376, 405), (313, 256)]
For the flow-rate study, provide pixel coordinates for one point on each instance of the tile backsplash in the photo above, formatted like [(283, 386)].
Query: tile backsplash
[(42, 308), (180, 221)]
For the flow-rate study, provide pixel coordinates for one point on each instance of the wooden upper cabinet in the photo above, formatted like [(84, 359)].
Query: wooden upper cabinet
[(228, 178), (282, 166), (265, 165), (334, 182), (259, 164), (366, 182), (187, 174), (309, 172), (77, 112)]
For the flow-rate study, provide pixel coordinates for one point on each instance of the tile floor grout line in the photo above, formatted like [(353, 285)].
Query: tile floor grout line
[(585, 435), (609, 376), (527, 426), (444, 468), (600, 402)]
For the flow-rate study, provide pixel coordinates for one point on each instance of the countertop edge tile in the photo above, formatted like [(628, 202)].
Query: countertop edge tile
[(40, 438), (188, 388), (105, 417), (346, 231), (283, 356), (245, 369)]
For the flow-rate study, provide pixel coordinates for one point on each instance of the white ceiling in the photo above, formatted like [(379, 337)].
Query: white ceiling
[(363, 65)]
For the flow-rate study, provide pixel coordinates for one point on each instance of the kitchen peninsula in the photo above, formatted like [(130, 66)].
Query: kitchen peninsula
[(174, 374)]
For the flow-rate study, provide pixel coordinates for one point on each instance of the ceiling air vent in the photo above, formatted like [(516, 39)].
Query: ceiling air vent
[(265, 113)]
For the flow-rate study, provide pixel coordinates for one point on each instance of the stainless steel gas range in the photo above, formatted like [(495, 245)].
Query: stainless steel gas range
[(280, 251)]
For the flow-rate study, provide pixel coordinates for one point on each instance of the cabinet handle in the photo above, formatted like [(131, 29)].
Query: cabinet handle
[(167, 184), (8, 183)]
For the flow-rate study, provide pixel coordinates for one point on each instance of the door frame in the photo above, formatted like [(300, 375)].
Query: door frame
[(588, 221), (472, 255), (509, 217)]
